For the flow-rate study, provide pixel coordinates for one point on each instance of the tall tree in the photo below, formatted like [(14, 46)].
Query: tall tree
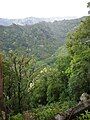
[(79, 47), (17, 75)]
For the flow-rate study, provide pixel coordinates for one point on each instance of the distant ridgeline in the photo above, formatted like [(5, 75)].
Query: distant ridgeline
[(41, 39)]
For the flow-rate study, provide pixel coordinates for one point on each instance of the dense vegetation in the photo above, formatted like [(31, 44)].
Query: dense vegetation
[(41, 39), (39, 87)]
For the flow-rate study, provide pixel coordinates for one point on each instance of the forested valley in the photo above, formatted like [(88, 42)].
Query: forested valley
[(44, 68)]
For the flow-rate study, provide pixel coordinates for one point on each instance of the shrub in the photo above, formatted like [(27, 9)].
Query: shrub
[(17, 117), (85, 116)]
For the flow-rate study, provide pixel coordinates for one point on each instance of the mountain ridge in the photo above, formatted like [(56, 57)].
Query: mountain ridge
[(41, 39), (31, 20)]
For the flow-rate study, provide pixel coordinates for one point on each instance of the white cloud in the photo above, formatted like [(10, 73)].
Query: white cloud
[(42, 8)]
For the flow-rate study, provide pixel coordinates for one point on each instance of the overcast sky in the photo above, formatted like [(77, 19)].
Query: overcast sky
[(42, 8)]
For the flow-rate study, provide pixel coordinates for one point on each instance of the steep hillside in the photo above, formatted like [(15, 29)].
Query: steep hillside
[(41, 39)]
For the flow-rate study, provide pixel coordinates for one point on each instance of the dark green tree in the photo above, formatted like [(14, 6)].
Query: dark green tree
[(78, 45), (17, 73)]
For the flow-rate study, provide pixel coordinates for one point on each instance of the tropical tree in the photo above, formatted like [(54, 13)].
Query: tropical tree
[(78, 44), (17, 77)]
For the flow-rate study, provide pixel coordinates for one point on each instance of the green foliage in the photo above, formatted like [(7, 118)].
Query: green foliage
[(38, 93), (55, 84), (48, 112), (85, 116), (17, 76), (41, 39), (78, 45), (50, 85), (17, 117), (78, 40), (45, 114)]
